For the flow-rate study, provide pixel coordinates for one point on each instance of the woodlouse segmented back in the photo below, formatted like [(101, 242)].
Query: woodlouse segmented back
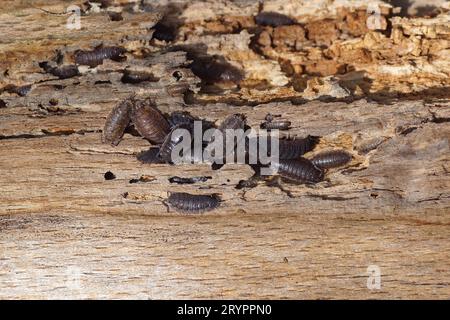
[(19, 90), (95, 57), (299, 170), (293, 148), (273, 19), (149, 121), (172, 139), (116, 122), (192, 203), (331, 159)]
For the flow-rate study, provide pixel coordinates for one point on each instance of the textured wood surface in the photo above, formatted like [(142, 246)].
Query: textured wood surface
[(67, 232)]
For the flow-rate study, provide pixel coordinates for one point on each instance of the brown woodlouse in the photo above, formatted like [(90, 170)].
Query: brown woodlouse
[(116, 122), (149, 121), (277, 124), (331, 159), (193, 203), (171, 140), (299, 170), (95, 57), (273, 19)]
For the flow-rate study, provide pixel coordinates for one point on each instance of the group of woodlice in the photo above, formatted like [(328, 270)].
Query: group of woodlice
[(142, 117)]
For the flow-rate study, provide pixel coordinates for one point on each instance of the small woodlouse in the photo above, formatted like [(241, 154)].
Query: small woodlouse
[(171, 140), (299, 170), (95, 57), (193, 203), (62, 72), (137, 77), (149, 121), (273, 19), (331, 159), (213, 70), (278, 124), (164, 32), (116, 122), (181, 117)]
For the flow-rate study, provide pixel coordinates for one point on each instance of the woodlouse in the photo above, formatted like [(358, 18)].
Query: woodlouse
[(134, 77), (62, 72), (171, 140), (150, 156), (193, 203), (299, 170), (213, 70), (273, 19), (181, 117), (95, 57), (164, 32), (331, 159), (181, 180), (277, 124), (293, 148), (149, 121), (116, 122), (232, 122)]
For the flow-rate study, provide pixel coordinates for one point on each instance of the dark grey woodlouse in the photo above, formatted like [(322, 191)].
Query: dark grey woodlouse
[(19, 90), (62, 72), (116, 122), (95, 57), (181, 117), (299, 170), (164, 32), (149, 121), (331, 159), (273, 19), (134, 77), (213, 70), (277, 124), (170, 141), (181, 180), (234, 121), (292, 148), (192, 203)]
